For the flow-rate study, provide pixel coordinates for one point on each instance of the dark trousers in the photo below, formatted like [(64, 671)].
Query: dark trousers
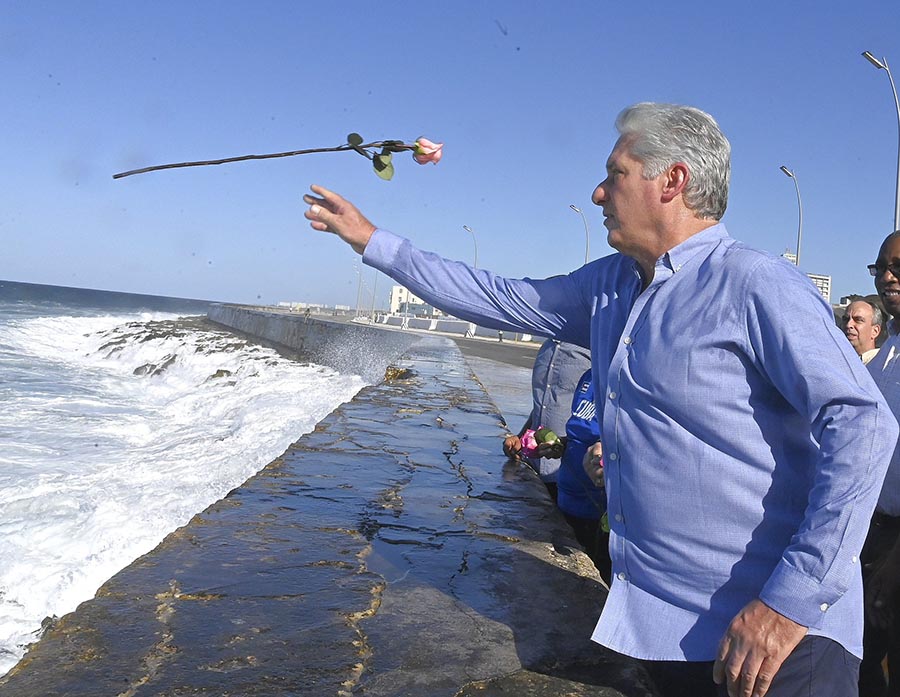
[(595, 542), (817, 667), (879, 643)]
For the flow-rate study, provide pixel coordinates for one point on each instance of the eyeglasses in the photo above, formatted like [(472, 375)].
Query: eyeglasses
[(878, 269)]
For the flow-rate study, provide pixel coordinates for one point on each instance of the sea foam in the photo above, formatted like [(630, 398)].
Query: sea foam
[(118, 429)]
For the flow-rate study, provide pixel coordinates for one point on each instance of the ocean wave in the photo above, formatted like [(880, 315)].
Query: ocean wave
[(119, 429)]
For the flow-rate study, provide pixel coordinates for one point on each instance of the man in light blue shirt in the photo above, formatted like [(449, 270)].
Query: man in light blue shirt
[(741, 474)]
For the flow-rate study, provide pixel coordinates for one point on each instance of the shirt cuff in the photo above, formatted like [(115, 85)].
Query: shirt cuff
[(797, 596), (381, 250)]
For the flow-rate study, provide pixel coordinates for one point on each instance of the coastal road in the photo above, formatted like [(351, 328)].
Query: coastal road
[(516, 353)]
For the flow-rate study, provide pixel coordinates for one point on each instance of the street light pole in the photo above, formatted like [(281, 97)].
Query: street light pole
[(474, 241), (799, 209), (587, 234), (883, 65), (358, 287)]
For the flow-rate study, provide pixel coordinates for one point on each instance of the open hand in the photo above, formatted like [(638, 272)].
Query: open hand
[(331, 213)]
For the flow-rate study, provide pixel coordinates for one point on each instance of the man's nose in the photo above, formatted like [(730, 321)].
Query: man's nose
[(599, 196)]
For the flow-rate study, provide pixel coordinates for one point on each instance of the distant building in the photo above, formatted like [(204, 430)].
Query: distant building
[(823, 284), (404, 302), (295, 306), (790, 256)]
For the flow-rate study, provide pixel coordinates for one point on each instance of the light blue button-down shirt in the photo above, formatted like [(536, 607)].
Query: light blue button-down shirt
[(885, 369), (744, 441)]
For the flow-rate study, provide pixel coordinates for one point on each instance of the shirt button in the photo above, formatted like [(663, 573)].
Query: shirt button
[(627, 340), (621, 576), (823, 607), (618, 517), (613, 457), (612, 395), (853, 559)]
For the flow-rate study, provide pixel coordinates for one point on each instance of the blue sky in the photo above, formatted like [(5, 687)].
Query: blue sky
[(523, 94)]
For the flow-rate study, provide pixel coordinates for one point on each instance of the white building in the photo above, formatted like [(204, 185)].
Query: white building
[(823, 284), (402, 301)]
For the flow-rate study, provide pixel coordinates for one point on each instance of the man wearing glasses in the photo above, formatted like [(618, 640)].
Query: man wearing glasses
[(881, 554)]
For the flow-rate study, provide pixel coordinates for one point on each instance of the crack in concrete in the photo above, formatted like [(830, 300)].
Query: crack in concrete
[(164, 649), (363, 647)]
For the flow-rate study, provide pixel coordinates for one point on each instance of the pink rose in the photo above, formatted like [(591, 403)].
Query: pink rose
[(426, 151), (529, 444)]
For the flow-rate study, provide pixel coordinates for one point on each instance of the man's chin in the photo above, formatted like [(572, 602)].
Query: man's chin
[(613, 239)]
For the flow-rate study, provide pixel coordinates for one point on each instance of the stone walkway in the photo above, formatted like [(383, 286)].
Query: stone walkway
[(389, 552)]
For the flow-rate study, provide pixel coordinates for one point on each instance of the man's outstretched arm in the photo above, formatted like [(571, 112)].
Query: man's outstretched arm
[(329, 212), (558, 307)]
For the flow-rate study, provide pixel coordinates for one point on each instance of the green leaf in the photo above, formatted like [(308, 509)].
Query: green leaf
[(383, 166), (354, 139), (385, 155)]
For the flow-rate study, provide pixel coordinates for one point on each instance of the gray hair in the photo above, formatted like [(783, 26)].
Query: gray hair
[(664, 134), (877, 314)]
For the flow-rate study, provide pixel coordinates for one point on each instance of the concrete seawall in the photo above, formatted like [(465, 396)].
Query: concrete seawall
[(391, 551), (346, 347)]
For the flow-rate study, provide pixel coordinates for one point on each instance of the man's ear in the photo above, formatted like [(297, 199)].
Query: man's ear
[(877, 328), (675, 180)]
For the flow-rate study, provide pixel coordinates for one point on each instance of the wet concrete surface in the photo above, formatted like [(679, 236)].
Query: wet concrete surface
[(508, 386), (390, 552)]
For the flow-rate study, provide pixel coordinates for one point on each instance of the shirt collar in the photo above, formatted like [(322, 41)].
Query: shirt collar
[(679, 255), (892, 326), (702, 242)]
